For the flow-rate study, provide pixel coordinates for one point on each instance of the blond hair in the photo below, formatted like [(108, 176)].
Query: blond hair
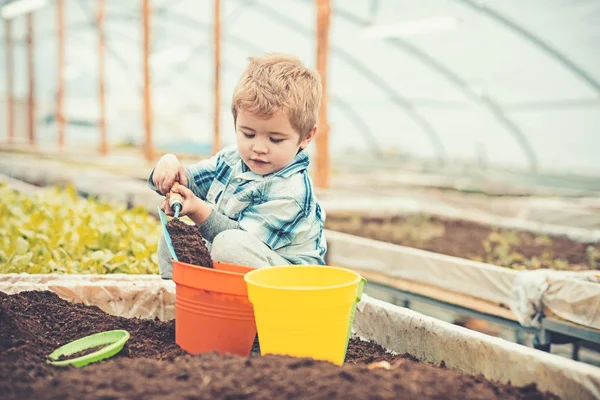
[(279, 82)]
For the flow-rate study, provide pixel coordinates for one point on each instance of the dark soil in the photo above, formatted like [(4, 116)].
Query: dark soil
[(188, 243), (80, 353), (32, 324), (361, 352), (502, 247)]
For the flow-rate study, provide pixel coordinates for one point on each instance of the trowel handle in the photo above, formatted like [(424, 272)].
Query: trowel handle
[(175, 197)]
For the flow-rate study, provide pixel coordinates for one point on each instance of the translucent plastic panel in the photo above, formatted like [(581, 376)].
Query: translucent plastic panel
[(501, 83)]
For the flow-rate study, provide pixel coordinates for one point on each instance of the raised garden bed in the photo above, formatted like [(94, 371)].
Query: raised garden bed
[(462, 257), (32, 324), (502, 247)]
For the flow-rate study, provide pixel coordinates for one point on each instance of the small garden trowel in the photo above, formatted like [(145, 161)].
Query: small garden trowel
[(163, 222), (176, 203)]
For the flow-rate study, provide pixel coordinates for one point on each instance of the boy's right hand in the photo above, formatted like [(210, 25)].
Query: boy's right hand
[(168, 171)]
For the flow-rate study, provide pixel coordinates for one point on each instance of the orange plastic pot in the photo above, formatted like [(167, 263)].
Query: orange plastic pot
[(212, 310)]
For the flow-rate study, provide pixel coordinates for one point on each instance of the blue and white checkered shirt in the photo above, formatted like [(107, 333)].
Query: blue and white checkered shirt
[(280, 208)]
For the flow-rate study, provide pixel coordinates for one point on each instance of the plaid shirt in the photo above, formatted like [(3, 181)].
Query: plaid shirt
[(280, 208)]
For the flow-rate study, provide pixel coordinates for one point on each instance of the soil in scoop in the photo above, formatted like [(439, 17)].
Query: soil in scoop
[(502, 247), (81, 353), (33, 324), (188, 243)]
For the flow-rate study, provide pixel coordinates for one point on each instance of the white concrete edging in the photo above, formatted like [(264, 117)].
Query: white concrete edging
[(431, 340)]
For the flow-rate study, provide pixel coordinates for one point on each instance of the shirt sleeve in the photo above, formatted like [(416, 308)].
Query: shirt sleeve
[(274, 222), (151, 182), (200, 176), (215, 224)]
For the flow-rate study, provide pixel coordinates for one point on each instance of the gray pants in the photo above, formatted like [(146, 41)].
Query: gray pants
[(233, 246)]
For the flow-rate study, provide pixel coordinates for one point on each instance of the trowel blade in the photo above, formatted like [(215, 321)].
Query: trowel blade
[(163, 222)]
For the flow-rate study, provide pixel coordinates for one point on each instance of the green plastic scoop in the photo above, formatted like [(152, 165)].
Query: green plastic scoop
[(113, 342)]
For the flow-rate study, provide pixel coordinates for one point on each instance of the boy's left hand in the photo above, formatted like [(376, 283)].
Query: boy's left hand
[(196, 209)]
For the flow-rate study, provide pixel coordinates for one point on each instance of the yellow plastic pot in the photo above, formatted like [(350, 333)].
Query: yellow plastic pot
[(303, 311)]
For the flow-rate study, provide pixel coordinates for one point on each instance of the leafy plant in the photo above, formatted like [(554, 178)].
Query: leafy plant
[(593, 255), (57, 231), (499, 250)]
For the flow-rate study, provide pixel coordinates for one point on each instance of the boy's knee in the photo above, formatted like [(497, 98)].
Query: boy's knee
[(236, 246), (228, 245)]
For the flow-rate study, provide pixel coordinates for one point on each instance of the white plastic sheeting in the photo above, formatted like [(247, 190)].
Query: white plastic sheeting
[(574, 296), (506, 83)]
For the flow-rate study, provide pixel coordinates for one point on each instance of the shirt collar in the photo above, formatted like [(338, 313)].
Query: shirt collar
[(245, 168), (299, 164)]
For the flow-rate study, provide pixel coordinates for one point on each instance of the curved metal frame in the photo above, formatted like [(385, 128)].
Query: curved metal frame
[(109, 50), (536, 40), (355, 63), (359, 122), (365, 71), (362, 69), (347, 109), (488, 102)]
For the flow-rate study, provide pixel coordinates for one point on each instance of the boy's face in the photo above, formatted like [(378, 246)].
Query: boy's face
[(268, 145)]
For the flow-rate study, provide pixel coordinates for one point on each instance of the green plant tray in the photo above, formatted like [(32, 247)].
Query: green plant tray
[(113, 342)]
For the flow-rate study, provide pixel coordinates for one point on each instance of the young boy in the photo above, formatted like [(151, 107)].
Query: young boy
[(254, 204)]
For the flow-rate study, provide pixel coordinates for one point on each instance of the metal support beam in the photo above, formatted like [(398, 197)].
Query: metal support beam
[(571, 330), (10, 101), (322, 161), (31, 74), (60, 116), (114, 55), (101, 77), (575, 350), (543, 340), (217, 72), (407, 296), (148, 147), (192, 23), (235, 40)]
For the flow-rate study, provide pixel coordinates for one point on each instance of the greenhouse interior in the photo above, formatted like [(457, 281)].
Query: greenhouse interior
[(259, 199)]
